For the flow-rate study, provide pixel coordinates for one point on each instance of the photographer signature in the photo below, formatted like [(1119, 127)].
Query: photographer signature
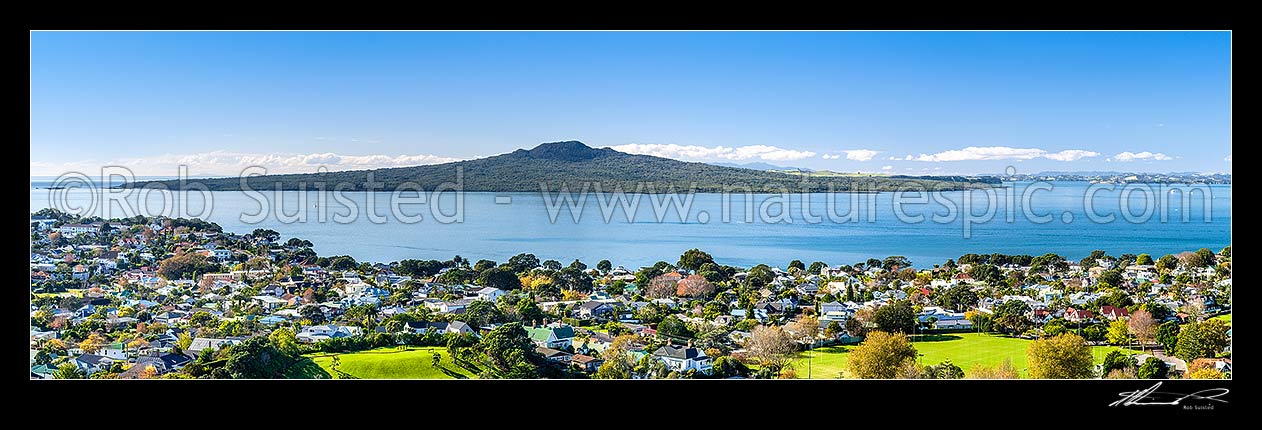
[(1151, 397)]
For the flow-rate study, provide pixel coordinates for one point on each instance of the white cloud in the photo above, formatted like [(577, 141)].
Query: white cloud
[(1132, 156), (695, 152), (1227, 158), (908, 158), (830, 156), (974, 153), (232, 163), (860, 154), (1071, 155), (887, 167)]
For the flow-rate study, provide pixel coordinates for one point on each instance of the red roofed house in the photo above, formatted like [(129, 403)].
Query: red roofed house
[(1077, 315), (1113, 313)]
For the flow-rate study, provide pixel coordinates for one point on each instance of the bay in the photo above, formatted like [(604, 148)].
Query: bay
[(494, 228)]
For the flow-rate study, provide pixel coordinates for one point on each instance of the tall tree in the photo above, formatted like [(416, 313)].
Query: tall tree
[(509, 353), (692, 259), (694, 286), (1062, 357), (1201, 339), (771, 346), (1153, 368), (1119, 333), (880, 356), (1168, 335), (1143, 327), (896, 317)]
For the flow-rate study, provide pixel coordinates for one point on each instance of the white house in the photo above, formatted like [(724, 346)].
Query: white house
[(490, 294), (683, 358)]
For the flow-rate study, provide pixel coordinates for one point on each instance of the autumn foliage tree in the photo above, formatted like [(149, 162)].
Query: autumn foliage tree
[(1004, 370), (882, 355), (661, 287), (694, 286), (771, 346), (1062, 357), (1143, 327)]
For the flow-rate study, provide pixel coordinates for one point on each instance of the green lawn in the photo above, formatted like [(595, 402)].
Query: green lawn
[(963, 349), (1225, 318), (381, 363)]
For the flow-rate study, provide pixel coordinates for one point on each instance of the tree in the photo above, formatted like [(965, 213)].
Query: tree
[(1205, 373), (256, 358), (552, 265), (312, 313), (184, 265), (805, 328), (896, 317), (1204, 257), (1153, 368), (1201, 339), (501, 277), (673, 326), (93, 343), (833, 329), (943, 370), (895, 262), (68, 370), (1168, 335), (184, 341), (725, 367), (694, 286), (604, 266), (958, 298), (797, 264), (1062, 357), (509, 353), (660, 287), (1010, 317), (1143, 259), (987, 273), (285, 341), (1142, 326), (1119, 333), (816, 267), (692, 259), (528, 310), (1167, 263), (523, 262), (880, 356), (1117, 360), (1004, 370), (1096, 333), (481, 313), (771, 346), (1054, 327), (759, 276), (482, 265)]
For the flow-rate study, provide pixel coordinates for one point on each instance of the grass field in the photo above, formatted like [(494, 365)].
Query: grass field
[(1225, 318), (963, 349), (381, 363)]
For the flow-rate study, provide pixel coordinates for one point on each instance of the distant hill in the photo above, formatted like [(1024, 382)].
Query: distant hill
[(763, 166), (573, 165)]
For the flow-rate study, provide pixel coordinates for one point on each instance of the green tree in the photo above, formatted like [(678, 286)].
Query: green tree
[(1117, 360), (528, 310), (1119, 333), (896, 317), (797, 264), (552, 265), (1062, 357), (692, 259), (604, 266), (880, 356), (1167, 263), (285, 341), (816, 267), (68, 370), (483, 265), (1153, 368), (256, 358), (1054, 327), (673, 326), (1143, 259), (1168, 335), (509, 353), (1010, 317), (1201, 339), (523, 262), (943, 370), (958, 298)]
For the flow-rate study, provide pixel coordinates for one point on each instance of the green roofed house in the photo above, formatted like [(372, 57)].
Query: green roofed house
[(559, 336)]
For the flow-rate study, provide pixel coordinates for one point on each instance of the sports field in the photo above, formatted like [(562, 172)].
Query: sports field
[(963, 349), (382, 363)]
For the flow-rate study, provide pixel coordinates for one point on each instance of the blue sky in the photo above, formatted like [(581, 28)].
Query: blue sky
[(895, 102)]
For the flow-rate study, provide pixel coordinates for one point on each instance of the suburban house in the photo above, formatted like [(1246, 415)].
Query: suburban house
[(490, 294), (318, 333), (1113, 313), (554, 354), (203, 343), (1077, 315), (683, 358), (595, 309), (586, 363), (556, 337)]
